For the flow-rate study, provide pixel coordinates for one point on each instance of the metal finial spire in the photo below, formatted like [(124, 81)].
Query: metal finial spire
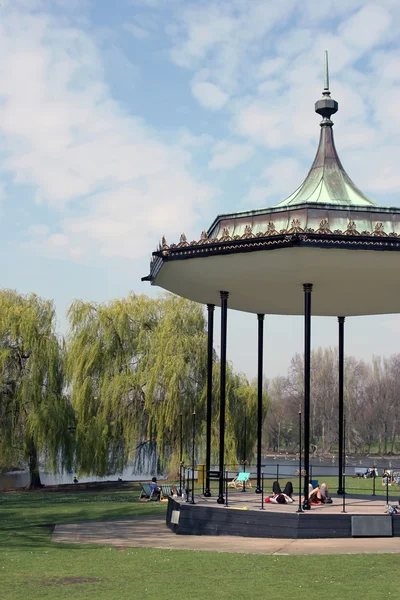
[(326, 107), (326, 72)]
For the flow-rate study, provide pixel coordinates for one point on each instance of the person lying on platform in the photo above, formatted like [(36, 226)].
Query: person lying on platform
[(370, 473), (319, 495), (279, 497)]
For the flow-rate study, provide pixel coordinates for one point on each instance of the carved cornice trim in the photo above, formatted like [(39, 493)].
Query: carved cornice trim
[(294, 229)]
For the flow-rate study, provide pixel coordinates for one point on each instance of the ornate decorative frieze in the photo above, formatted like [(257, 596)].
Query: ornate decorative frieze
[(324, 226), (379, 229), (351, 229), (225, 235), (204, 237), (183, 241), (248, 233), (295, 228), (271, 228)]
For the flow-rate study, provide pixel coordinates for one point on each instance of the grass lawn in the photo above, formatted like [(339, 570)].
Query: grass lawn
[(33, 568)]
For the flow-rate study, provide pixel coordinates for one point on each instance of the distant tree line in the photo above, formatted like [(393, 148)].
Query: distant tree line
[(371, 401), (118, 382)]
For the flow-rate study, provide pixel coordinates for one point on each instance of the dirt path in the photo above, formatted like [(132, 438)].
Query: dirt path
[(151, 532)]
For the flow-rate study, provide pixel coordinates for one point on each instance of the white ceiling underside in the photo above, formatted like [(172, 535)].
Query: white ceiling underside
[(346, 282)]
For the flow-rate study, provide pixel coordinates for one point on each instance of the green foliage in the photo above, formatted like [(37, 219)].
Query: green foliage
[(130, 367), (34, 413), (133, 367), (105, 351), (175, 367), (243, 405)]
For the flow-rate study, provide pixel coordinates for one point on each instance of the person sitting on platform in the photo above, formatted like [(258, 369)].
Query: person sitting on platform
[(156, 492), (319, 495), (279, 497)]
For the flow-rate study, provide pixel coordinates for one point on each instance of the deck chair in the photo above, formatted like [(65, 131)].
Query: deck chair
[(166, 490), (233, 482), (147, 492), (241, 478)]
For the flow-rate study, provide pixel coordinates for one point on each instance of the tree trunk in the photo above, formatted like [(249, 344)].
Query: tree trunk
[(34, 475)]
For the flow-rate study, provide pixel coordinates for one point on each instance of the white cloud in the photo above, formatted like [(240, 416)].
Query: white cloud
[(371, 23), (283, 176), (186, 139), (223, 34), (270, 66), (118, 185), (257, 122), (278, 180), (38, 230), (388, 65), (227, 155), (294, 42), (130, 222), (142, 25), (137, 31), (268, 58), (209, 95)]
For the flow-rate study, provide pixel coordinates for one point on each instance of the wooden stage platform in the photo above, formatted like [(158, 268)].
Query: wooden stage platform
[(364, 517)]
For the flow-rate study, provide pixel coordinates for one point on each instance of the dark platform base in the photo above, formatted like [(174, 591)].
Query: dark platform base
[(187, 519)]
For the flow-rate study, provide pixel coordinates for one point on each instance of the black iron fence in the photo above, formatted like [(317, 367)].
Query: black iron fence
[(360, 480)]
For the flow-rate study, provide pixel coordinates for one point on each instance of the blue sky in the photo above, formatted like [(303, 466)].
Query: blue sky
[(124, 121)]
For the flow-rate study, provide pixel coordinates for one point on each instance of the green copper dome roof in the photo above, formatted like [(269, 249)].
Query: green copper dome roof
[(327, 182)]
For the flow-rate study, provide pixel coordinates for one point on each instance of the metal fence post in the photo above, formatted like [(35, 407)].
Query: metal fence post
[(262, 490), (344, 466)]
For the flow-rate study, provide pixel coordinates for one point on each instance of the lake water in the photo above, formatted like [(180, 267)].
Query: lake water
[(21, 478), (272, 467)]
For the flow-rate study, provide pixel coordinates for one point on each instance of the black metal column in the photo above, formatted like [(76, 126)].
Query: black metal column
[(307, 376), (210, 308), (259, 398), (181, 454), (300, 510), (341, 407), (222, 399), (193, 450)]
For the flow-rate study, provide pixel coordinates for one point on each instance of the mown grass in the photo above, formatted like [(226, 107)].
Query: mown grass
[(33, 567)]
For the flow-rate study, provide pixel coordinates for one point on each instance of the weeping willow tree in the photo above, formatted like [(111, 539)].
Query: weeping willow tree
[(35, 416), (106, 347), (133, 367), (238, 396), (243, 403), (175, 373)]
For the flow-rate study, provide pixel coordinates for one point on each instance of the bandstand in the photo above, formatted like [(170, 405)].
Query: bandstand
[(326, 250)]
